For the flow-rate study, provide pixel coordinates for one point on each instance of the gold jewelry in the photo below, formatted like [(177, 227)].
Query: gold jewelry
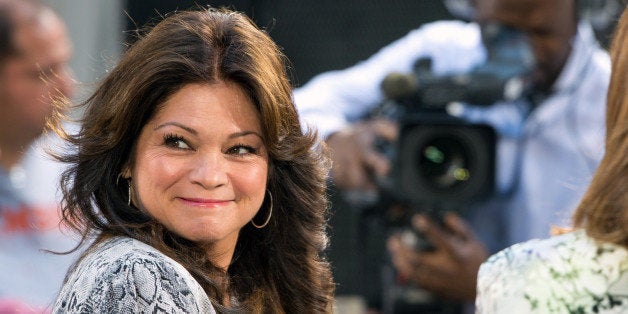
[(128, 181), (270, 213)]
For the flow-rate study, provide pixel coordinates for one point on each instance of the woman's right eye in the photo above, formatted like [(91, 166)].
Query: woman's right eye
[(175, 141)]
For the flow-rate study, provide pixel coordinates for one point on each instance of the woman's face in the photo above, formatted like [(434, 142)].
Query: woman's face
[(200, 165)]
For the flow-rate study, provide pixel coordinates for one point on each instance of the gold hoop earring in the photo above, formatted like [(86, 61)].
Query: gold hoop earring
[(128, 181), (270, 213)]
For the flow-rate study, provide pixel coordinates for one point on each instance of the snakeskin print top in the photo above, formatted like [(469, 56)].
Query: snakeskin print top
[(123, 275)]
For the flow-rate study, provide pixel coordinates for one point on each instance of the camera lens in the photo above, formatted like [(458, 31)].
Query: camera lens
[(443, 162), (440, 163)]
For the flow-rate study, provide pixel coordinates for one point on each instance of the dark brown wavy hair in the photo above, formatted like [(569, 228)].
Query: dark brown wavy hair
[(277, 269), (603, 211)]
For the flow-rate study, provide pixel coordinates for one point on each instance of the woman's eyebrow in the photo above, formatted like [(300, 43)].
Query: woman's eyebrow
[(177, 124), (245, 133), (193, 131)]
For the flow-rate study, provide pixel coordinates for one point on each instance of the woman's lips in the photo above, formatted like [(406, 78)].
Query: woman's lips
[(204, 202)]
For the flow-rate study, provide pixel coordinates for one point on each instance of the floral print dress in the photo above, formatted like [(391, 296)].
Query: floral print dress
[(570, 273)]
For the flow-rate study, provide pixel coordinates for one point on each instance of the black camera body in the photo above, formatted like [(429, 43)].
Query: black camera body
[(441, 162)]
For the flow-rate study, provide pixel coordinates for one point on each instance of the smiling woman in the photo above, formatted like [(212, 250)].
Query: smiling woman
[(192, 181), (212, 176)]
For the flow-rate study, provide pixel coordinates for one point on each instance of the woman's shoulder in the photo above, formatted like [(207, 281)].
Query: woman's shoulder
[(122, 254), (116, 250), (566, 272), (571, 249), (124, 274)]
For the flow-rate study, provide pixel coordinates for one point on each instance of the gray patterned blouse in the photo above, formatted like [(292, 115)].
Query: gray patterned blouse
[(123, 275)]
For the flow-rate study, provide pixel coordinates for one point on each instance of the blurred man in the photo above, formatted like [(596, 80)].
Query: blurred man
[(548, 144), (34, 73)]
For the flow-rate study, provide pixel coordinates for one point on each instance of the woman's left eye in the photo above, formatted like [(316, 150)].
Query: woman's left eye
[(175, 141), (242, 150)]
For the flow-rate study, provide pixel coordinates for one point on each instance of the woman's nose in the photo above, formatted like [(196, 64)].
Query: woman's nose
[(209, 170)]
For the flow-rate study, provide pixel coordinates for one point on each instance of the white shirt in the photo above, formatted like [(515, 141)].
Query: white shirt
[(559, 144), (28, 273)]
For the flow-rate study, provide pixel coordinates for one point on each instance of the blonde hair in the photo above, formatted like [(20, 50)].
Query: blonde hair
[(603, 212)]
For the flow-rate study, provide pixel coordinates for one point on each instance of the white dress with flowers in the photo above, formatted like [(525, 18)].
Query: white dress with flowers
[(570, 273)]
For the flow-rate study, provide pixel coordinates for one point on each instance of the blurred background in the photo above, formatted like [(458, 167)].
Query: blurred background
[(315, 35)]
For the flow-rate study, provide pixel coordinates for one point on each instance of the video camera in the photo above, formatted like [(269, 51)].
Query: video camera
[(441, 162)]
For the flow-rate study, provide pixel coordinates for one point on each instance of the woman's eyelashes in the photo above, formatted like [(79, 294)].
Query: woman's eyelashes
[(175, 141), (242, 150)]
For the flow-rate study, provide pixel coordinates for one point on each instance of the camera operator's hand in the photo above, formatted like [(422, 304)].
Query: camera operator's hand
[(356, 160), (450, 270)]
